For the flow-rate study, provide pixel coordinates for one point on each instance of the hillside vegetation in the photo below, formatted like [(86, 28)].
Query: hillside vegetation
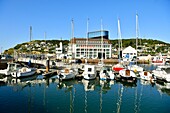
[(52, 44)]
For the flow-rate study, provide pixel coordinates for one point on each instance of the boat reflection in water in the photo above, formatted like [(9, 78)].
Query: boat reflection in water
[(163, 87), (37, 94)]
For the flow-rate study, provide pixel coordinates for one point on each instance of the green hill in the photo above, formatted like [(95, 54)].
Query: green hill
[(51, 45)]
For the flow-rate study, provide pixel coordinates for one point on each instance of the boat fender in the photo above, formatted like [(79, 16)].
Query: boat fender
[(135, 70), (24, 69)]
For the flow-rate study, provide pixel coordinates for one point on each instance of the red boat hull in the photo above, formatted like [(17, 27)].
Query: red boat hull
[(117, 68)]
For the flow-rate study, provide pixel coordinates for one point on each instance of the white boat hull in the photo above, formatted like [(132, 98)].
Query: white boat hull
[(66, 74), (127, 75), (144, 75), (106, 73), (28, 72), (89, 76), (162, 73), (89, 72)]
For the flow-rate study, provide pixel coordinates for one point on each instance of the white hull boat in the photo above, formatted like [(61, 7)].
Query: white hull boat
[(159, 60), (127, 74), (106, 73), (66, 74), (145, 75), (24, 72), (9, 68), (89, 72), (162, 73)]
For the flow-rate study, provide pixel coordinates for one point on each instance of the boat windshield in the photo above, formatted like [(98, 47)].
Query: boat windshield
[(167, 70), (12, 67)]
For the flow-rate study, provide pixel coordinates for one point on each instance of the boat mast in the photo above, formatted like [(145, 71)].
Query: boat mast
[(137, 35), (45, 43), (119, 38), (137, 32), (30, 38), (102, 41), (72, 27), (87, 40)]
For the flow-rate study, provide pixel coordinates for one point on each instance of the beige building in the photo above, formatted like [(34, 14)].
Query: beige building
[(93, 47)]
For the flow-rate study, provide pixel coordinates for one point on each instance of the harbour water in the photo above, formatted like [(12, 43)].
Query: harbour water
[(37, 95)]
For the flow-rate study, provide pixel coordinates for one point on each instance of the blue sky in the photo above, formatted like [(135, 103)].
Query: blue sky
[(54, 17)]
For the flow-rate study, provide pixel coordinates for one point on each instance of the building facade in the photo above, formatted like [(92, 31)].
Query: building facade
[(129, 53), (59, 50), (97, 45)]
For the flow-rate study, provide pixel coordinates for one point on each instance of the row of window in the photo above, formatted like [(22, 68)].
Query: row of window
[(129, 53), (91, 53), (92, 46), (91, 42), (94, 50), (91, 56)]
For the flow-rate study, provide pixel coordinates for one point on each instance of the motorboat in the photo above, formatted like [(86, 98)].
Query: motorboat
[(146, 75), (127, 74), (89, 72), (162, 73), (106, 73), (81, 69), (9, 67), (24, 72), (66, 74), (158, 60)]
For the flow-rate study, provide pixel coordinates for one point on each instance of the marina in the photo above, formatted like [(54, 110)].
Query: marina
[(84, 56), (38, 94)]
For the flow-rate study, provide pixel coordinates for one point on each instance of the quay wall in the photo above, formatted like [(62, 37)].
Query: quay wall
[(142, 60)]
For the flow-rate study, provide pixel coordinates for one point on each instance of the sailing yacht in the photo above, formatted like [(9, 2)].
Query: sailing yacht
[(106, 72), (135, 67), (120, 65), (89, 72), (25, 71)]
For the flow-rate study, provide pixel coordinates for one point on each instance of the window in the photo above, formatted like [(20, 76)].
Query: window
[(89, 69)]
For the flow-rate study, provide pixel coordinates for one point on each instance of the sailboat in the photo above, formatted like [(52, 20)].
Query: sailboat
[(135, 67), (106, 72), (89, 69), (119, 66), (125, 74), (25, 71)]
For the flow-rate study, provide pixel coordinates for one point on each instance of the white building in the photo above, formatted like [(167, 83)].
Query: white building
[(129, 53), (92, 47), (59, 50)]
